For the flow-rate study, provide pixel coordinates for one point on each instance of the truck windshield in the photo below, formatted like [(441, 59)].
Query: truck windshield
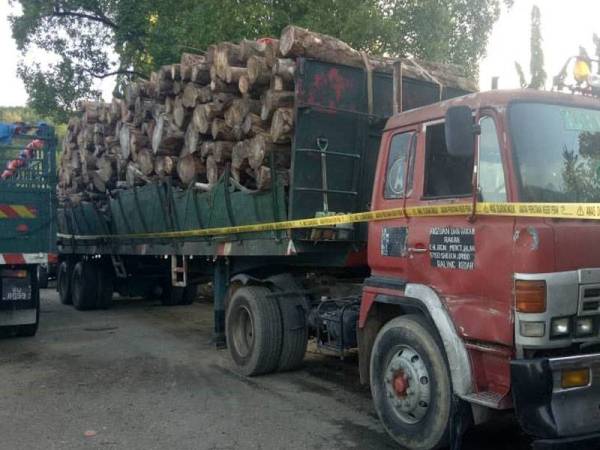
[(557, 152)]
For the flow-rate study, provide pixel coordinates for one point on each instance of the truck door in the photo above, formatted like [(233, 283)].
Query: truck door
[(466, 260), (387, 245)]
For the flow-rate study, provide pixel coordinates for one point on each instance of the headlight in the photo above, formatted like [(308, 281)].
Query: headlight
[(532, 329), (560, 327), (584, 326)]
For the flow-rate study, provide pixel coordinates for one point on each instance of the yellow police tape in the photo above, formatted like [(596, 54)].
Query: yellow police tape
[(587, 211)]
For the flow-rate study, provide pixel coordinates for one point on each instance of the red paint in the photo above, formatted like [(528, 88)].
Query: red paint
[(13, 258), (400, 383), (479, 301), (327, 83)]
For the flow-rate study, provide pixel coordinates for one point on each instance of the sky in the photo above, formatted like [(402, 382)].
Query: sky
[(566, 24)]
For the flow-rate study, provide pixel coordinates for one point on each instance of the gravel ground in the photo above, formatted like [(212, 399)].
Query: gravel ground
[(143, 376)]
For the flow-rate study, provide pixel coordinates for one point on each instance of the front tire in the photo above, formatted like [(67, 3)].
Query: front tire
[(410, 384), (254, 331)]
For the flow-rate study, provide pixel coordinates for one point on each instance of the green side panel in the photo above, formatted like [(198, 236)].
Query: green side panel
[(32, 186)]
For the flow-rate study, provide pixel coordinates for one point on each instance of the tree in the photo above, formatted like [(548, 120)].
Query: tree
[(536, 62), (128, 38)]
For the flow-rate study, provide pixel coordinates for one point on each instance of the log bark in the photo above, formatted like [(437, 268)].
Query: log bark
[(145, 162), (166, 139), (192, 139), (181, 114), (261, 147), (258, 70), (191, 59), (282, 125), (273, 100), (222, 151), (200, 73), (212, 170)]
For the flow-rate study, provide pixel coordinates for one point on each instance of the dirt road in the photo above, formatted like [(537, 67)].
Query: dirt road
[(143, 376)]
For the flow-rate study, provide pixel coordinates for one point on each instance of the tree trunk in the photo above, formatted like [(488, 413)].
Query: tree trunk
[(145, 162), (203, 117), (166, 140), (222, 151), (165, 166), (221, 131)]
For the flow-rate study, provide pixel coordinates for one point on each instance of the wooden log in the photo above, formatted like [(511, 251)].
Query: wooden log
[(262, 147), (145, 162), (227, 54), (124, 141), (206, 149), (262, 175), (166, 139), (181, 114), (279, 84), (253, 125), (190, 168), (222, 151), (272, 51), (221, 131), (175, 72), (192, 139), (200, 73), (222, 101), (220, 86), (258, 71), (212, 170), (165, 166), (233, 74), (282, 125), (273, 100), (203, 117), (191, 59), (249, 48), (239, 109), (239, 160), (137, 141), (134, 176), (106, 167)]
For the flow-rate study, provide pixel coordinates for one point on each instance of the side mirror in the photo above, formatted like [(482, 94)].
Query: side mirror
[(460, 131)]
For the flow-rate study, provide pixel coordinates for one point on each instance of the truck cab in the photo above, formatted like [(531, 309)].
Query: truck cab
[(509, 301)]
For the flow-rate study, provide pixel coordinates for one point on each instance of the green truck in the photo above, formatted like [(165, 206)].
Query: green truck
[(27, 227)]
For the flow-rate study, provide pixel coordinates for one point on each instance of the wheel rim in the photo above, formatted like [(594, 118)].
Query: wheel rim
[(407, 385), (243, 334)]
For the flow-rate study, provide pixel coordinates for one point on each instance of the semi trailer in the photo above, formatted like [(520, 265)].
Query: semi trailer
[(448, 237), (27, 228)]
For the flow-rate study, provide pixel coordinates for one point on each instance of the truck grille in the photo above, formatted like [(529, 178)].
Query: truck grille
[(589, 302)]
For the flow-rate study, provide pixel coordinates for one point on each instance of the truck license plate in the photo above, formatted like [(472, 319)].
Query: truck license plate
[(15, 290)]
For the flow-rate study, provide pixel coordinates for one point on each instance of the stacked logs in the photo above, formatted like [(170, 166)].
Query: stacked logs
[(230, 109)]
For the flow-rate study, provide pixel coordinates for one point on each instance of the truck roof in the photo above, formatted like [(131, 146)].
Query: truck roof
[(496, 98)]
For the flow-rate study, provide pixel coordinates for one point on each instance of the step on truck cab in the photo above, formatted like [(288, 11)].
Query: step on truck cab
[(27, 228), (497, 311)]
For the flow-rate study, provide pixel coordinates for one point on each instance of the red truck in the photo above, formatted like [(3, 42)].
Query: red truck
[(470, 291)]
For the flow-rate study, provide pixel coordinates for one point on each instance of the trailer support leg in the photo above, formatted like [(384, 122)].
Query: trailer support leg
[(220, 286)]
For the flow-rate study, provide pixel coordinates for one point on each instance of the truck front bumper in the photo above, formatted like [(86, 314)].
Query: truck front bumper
[(558, 417)]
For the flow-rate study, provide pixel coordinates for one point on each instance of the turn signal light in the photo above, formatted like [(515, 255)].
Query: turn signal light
[(530, 296), (575, 378)]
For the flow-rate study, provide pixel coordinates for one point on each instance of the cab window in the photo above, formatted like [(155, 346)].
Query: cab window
[(492, 187), (401, 151), (445, 175)]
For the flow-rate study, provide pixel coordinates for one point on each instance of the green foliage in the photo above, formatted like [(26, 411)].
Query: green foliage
[(129, 38), (536, 62)]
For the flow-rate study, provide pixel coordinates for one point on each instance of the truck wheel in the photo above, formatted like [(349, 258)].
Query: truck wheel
[(63, 283), (171, 295), (84, 286), (295, 335), (410, 384), (42, 276), (189, 294), (253, 330), (105, 288)]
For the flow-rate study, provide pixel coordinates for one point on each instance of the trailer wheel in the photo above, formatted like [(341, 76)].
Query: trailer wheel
[(253, 329), (105, 288), (189, 294), (84, 286), (42, 276), (295, 334), (63, 283), (410, 384)]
